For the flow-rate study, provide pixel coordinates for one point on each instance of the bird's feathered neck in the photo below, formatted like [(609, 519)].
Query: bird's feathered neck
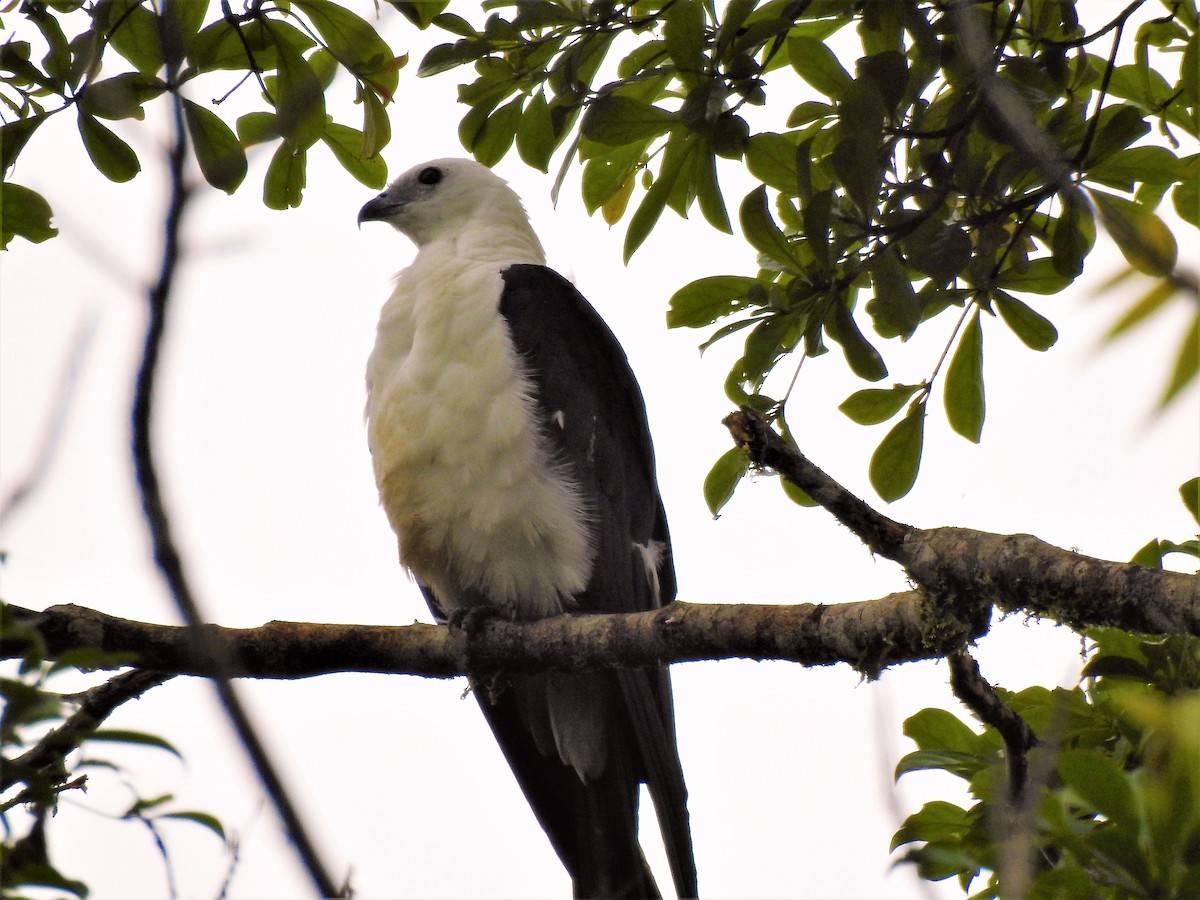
[(490, 225)]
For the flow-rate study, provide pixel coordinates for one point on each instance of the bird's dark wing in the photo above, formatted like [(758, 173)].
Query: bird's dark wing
[(593, 423)]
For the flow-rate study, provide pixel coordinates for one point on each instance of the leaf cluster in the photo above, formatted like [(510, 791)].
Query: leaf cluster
[(957, 161), (42, 758), (1113, 805), (107, 60)]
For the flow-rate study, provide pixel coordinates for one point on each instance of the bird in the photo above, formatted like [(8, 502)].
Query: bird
[(513, 458)]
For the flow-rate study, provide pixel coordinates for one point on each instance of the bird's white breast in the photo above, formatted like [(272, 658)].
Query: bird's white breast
[(481, 510)]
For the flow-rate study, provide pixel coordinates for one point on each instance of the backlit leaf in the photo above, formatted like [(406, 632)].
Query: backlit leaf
[(1140, 234), (897, 459), (614, 120), (1035, 330), (346, 144), (817, 65), (762, 232), (722, 479), (218, 152), (284, 184), (112, 156), (963, 394), (871, 406), (704, 301), (300, 103)]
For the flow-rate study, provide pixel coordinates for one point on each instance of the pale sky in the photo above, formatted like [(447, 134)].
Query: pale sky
[(262, 452)]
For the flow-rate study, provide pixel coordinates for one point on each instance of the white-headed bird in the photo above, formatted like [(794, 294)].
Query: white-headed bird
[(513, 460)]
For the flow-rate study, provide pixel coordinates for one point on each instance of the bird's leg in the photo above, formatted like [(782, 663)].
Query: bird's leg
[(470, 619)]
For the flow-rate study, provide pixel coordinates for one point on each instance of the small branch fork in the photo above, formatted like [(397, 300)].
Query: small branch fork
[(964, 573)]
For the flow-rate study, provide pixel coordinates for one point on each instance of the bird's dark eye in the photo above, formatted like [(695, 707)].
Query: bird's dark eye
[(431, 175)]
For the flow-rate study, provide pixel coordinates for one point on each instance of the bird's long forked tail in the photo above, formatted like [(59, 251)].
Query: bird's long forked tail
[(664, 773)]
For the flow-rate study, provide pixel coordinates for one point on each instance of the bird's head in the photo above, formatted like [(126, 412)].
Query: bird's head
[(439, 199)]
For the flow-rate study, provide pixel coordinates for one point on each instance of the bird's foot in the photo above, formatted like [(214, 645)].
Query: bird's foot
[(470, 619)]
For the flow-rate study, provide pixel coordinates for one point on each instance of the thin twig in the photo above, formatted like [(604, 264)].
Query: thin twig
[(166, 553), (55, 424)]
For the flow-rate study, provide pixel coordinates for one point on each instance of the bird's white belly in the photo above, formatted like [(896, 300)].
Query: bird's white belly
[(482, 513)]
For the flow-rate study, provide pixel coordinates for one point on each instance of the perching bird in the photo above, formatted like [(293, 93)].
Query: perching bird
[(513, 460)]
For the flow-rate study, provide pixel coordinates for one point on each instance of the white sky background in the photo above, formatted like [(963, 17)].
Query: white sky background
[(262, 452)]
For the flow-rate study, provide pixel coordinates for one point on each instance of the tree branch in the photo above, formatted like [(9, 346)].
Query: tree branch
[(964, 573), (95, 705), (869, 635)]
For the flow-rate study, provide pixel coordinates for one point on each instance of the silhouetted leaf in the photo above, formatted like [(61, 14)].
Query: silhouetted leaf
[(219, 153), (24, 213)]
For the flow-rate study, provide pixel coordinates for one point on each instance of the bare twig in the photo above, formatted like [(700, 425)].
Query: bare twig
[(166, 553), (95, 705), (55, 424)]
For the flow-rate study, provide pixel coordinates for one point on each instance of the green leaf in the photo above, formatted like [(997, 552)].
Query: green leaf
[(1099, 780), (221, 157), (284, 184), (896, 307), (683, 33), (941, 252), (1189, 492), (257, 128), (1186, 199), (120, 97), (864, 360), (536, 139), (897, 459), (1138, 165), (14, 135), (1073, 237), (1142, 237), (1038, 277), (722, 479), (133, 32), (496, 136), (609, 173), (871, 406), (679, 148), (708, 190), (956, 762), (211, 822), (377, 127), (1187, 363), (796, 495), (24, 213), (939, 729), (114, 158), (963, 395), (346, 144), (126, 736), (615, 120), (300, 103), (771, 158), (1035, 330), (355, 43), (423, 13), (935, 821), (444, 57), (704, 301), (817, 65), (761, 231)]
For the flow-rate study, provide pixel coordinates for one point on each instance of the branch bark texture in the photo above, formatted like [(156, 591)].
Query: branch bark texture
[(965, 573)]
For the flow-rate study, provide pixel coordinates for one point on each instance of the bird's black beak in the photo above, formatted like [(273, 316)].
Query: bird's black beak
[(377, 209)]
